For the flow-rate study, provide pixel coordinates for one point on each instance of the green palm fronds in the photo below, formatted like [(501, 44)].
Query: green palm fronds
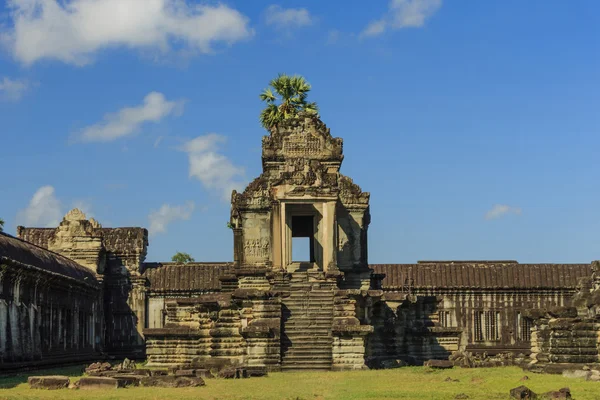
[(291, 91)]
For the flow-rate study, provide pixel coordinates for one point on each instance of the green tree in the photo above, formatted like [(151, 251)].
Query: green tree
[(291, 91), (1, 224), (182, 258)]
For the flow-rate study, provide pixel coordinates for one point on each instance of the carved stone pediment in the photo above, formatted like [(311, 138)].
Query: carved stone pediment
[(256, 195), (351, 194), (304, 137), (79, 239)]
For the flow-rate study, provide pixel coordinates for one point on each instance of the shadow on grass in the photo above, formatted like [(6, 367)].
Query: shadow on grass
[(11, 380)]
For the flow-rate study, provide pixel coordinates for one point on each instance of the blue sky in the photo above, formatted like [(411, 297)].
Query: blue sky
[(474, 125)]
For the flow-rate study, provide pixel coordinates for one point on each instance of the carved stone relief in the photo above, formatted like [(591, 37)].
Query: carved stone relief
[(257, 248)]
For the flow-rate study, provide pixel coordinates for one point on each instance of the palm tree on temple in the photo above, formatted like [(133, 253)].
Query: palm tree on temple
[(291, 91)]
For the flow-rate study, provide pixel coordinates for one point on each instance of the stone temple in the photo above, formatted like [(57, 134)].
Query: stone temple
[(84, 292)]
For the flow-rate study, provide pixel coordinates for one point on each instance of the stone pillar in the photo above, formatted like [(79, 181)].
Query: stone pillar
[(328, 235), (276, 237), (137, 302), (238, 246), (286, 256)]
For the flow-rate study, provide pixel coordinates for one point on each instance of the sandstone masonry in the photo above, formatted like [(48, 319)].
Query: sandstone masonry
[(84, 290)]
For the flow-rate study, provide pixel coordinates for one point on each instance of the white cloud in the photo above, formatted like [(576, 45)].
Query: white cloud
[(127, 120), (286, 18), (215, 171), (72, 31), (499, 210), (13, 89), (44, 209), (403, 14), (167, 214)]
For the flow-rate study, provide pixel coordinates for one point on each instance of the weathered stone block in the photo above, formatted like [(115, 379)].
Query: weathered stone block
[(97, 367), (233, 373), (185, 372), (99, 382), (442, 364), (172, 381), (129, 380), (159, 372), (48, 382), (522, 393), (562, 394)]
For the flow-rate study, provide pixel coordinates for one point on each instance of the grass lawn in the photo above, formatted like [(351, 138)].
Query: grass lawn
[(403, 383)]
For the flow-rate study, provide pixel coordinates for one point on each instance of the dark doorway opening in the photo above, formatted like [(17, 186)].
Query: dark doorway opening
[(302, 232)]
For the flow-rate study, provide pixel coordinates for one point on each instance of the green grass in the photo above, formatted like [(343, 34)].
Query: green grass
[(403, 383)]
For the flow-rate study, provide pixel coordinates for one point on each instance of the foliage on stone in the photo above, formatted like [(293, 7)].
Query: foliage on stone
[(291, 91), (1, 224), (182, 258)]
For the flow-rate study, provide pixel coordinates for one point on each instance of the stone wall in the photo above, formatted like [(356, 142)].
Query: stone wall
[(239, 328), (431, 310), (50, 308), (568, 337), (115, 256), (432, 324)]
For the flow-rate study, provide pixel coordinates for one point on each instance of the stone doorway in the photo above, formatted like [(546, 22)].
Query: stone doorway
[(303, 230), (303, 221)]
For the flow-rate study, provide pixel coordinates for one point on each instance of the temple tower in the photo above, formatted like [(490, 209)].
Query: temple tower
[(302, 194)]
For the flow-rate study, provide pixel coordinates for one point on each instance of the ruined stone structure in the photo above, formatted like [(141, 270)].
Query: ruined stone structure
[(272, 310), (112, 259), (328, 310), (565, 338), (50, 307)]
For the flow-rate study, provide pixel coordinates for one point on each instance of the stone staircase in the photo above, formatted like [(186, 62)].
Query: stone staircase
[(306, 341)]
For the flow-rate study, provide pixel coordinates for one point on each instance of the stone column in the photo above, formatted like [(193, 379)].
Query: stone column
[(238, 246), (328, 234), (276, 241), (137, 302), (285, 239)]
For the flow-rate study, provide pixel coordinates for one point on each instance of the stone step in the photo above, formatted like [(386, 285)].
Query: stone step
[(290, 322), (306, 353), (311, 306), (309, 311), (306, 360), (308, 315), (300, 316), (297, 342), (300, 305), (304, 325), (301, 339), (321, 299), (293, 335), (320, 347), (306, 357), (308, 350), (300, 299), (308, 330), (304, 330)]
